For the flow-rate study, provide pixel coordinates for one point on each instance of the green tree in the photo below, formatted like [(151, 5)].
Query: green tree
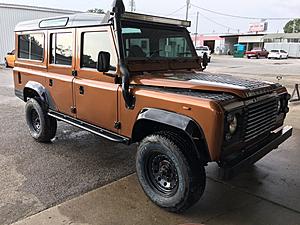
[(293, 26), (95, 10)]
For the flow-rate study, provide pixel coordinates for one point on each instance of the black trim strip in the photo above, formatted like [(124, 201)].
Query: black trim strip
[(89, 127)]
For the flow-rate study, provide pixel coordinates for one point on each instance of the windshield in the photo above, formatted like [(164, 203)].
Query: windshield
[(275, 51), (143, 41)]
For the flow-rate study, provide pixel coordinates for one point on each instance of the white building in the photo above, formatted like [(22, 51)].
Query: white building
[(289, 42), (11, 14)]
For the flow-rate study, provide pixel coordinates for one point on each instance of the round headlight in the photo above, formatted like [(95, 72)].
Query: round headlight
[(232, 123)]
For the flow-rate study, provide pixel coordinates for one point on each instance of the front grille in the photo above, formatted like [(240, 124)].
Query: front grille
[(261, 119)]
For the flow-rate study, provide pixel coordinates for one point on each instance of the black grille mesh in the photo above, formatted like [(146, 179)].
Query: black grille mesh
[(261, 118)]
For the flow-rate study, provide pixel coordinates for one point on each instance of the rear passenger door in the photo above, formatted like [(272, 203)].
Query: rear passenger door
[(61, 64), (95, 93)]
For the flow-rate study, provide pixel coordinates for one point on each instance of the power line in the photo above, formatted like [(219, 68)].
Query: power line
[(177, 10), (240, 17), (220, 24)]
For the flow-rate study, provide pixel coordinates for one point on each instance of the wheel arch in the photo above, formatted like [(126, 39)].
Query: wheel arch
[(34, 89), (152, 120)]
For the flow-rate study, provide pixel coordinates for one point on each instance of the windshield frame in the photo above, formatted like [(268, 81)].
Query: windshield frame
[(155, 25)]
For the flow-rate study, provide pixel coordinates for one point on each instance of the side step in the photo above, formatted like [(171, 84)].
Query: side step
[(89, 127), (228, 171)]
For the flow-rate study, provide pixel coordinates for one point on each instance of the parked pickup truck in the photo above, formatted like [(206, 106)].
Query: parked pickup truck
[(257, 53)]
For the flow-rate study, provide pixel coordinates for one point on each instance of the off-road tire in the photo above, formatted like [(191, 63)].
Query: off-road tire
[(190, 172), (47, 127)]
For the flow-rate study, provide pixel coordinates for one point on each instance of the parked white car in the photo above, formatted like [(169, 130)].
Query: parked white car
[(278, 54), (204, 49)]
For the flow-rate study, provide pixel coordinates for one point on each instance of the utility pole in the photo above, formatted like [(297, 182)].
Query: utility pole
[(132, 5), (188, 4), (196, 33)]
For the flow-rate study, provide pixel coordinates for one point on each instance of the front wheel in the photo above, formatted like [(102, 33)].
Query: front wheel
[(41, 126), (167, 176)]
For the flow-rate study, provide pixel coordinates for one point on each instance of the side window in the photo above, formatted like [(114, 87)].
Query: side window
[(93, 43), (61, 48), (174, 47), (31, 46)]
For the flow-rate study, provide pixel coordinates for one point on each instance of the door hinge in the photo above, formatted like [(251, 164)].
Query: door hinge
[(74, 73), (118, 125), (73, 110)]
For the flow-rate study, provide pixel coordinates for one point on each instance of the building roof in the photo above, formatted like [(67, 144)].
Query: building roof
[(67, 21), (282, 35), (37, 8), (239, 35)]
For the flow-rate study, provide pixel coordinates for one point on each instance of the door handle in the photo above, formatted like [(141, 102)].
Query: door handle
[(81, 90), (50, 82)]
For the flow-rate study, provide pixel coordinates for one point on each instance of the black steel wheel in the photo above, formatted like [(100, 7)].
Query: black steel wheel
[(41, 126), (161, 173), (35, 120), (167, 174)]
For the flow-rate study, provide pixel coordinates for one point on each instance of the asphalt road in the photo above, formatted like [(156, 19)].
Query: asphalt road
[(36, 176)]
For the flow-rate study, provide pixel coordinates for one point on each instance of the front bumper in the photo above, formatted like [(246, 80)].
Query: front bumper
[(276, 138)]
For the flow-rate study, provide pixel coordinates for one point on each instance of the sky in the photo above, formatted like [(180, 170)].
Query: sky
[(208, 22)]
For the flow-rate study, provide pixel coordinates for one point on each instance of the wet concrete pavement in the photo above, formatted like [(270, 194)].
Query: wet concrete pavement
[(37, 177), (34, 176)]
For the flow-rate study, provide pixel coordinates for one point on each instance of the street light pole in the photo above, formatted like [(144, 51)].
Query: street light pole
[(132, 5), (196, 34), (188, 2)]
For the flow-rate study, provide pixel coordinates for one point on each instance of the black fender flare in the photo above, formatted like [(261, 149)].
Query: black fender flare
[(174, 120), (41, 91)]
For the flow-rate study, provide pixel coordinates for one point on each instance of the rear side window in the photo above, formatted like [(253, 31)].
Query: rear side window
[(61, 48), (93, 43), (31, 46)]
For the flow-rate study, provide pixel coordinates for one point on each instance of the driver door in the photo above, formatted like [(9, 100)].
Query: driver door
[(95, 94)]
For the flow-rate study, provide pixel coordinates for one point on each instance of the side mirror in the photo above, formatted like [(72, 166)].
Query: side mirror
[(103, 64)]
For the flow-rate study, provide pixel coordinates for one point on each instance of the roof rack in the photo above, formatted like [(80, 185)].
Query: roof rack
[(156, 19)]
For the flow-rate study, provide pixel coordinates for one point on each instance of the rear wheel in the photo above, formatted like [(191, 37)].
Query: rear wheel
[(41, 126), (168, 177)]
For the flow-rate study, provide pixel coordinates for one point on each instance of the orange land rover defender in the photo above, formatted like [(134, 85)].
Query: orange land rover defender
[(134, 78)]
